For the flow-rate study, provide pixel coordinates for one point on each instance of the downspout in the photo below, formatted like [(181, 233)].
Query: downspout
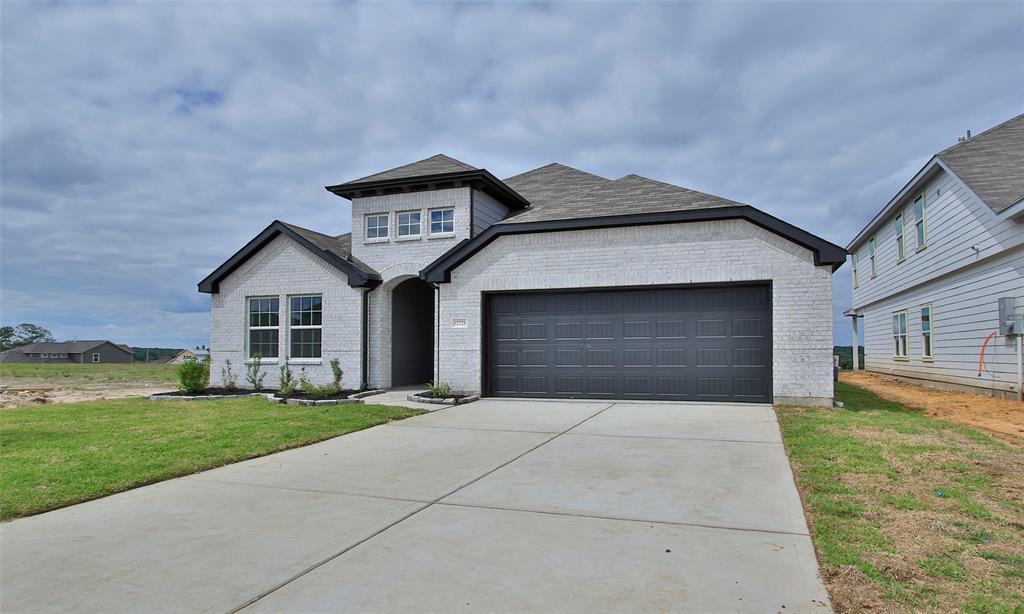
[(365, 384), (437, 333)]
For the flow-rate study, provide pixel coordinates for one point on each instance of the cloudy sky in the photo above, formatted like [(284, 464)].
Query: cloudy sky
[(142, 144)]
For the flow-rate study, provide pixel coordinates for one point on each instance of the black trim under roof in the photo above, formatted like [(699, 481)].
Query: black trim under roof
[(825, 253), (477, 178), (356, 277)]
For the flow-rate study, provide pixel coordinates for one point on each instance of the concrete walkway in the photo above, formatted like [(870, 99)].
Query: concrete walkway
[(495, 506)]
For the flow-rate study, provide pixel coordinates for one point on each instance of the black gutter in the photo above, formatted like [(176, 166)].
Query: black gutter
[(825, 253), (479, 178), (357, 278)]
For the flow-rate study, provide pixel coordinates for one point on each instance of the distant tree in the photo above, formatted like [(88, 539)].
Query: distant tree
[(23, 334), (6, 337)]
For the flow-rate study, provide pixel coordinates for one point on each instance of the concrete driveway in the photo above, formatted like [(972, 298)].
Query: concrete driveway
[(496, 506)]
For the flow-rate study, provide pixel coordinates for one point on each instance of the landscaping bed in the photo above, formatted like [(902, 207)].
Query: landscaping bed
[(210, 393), (55, 455), (908, 513), (442, 399)]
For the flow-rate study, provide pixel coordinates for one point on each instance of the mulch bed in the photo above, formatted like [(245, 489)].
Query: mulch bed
[(220, 392), (429, 395), (300, 394)]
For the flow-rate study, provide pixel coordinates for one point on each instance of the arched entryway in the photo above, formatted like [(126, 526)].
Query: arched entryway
[(412, 333)]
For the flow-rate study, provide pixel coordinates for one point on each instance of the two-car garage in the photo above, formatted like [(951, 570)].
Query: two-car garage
[(702, 343)]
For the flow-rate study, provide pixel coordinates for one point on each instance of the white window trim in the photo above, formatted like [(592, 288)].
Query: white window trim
[(398, 226), (307, 360), (930, 357), (856, 276), (922, 222), (248, 327), (430, 223), (905, 335), (63, 355), (900, 228), (872, 248), (95, 356), (366, 228)]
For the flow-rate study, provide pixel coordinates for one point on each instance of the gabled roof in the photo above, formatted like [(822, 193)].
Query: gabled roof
[(336, 251), (434, 165), (992, 163), (631, 194), (67, 347)]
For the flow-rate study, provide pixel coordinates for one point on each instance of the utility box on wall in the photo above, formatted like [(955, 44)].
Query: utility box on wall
[(1011, 322)]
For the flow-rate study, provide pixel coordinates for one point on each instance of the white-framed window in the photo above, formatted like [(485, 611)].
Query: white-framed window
[(919, 222), (899, 334), (305, 327), (871, 256), (377, 226), (95, 356), (63, 355), (264, 326), (44, 355), (901, 249), (927, 321), (442, 221), (409, 224), (856, 277)]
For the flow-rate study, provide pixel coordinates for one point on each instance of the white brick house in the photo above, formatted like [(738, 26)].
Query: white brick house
[(552, 283)]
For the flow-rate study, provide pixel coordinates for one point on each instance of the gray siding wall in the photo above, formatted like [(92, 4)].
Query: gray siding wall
[(486, 211), (694, 253), (282, 269), (964, 313), (108, 353), (961, 282)]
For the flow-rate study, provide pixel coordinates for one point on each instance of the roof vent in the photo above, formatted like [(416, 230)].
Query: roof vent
[(964, 138)]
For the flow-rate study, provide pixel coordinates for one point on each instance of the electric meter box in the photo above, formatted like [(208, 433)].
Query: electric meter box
[(1010, 321)]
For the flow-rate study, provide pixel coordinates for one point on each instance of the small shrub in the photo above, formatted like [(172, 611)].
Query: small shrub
[(287, 386), (193, 375), (227, 376), (254, 372), (337, 373), (304, 384), (440, 389)]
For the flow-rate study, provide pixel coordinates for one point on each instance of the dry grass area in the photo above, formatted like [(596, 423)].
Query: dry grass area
[(999, 417), (909, 513)]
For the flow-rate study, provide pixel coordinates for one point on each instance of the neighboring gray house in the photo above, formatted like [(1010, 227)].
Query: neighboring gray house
[(69, 352), (929, 268), (552, 283)]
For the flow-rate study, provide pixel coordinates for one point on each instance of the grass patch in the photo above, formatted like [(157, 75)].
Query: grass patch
[(71, 374), (870, 475), (56, 455)]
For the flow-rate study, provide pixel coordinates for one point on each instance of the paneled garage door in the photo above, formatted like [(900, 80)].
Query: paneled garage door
[(695, 343)]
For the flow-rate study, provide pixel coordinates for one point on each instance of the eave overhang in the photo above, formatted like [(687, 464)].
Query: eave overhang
[(825, 253), (356, 277), (480, 179)]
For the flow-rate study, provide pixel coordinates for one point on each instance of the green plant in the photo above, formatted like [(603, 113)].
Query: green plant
[(193, 375), (254, 371), (337, 373), (227, 376), (287, 385), (304, 384), (440, 389)]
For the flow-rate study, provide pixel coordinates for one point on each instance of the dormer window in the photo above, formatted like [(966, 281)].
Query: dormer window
[(409, 224), (377, 226), (442, 221)]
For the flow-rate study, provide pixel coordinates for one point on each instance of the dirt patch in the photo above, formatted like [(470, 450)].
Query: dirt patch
[(999, 417), (75, 394)]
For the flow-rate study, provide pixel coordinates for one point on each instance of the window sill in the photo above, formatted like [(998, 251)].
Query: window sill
[(305, 361), (441, 235), (377, 240), (409, 238), (901, 358), (928, 359), (263, 361), (921, 248)]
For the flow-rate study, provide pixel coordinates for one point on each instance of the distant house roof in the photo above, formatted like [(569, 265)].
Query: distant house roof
[(67, 347), (335, 250), (992, 163)]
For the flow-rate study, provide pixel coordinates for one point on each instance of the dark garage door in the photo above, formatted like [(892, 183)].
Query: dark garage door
[(695, 343)]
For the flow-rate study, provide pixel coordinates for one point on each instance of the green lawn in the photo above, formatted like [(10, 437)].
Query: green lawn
[(55, 455), (908, 513), (72, 374)]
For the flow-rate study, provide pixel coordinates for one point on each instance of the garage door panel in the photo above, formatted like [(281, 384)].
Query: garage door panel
[(660, 343)]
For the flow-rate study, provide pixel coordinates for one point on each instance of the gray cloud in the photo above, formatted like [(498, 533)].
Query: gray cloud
[(142, 144)]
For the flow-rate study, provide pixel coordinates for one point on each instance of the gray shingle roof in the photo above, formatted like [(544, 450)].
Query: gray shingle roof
[(628, 195), (340, 245), (68, 347), (553, 183), (429, 166), (992, 163)]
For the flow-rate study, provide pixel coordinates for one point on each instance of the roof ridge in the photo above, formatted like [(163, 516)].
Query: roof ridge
[(555, 165), (678, 187), (979, 135)]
